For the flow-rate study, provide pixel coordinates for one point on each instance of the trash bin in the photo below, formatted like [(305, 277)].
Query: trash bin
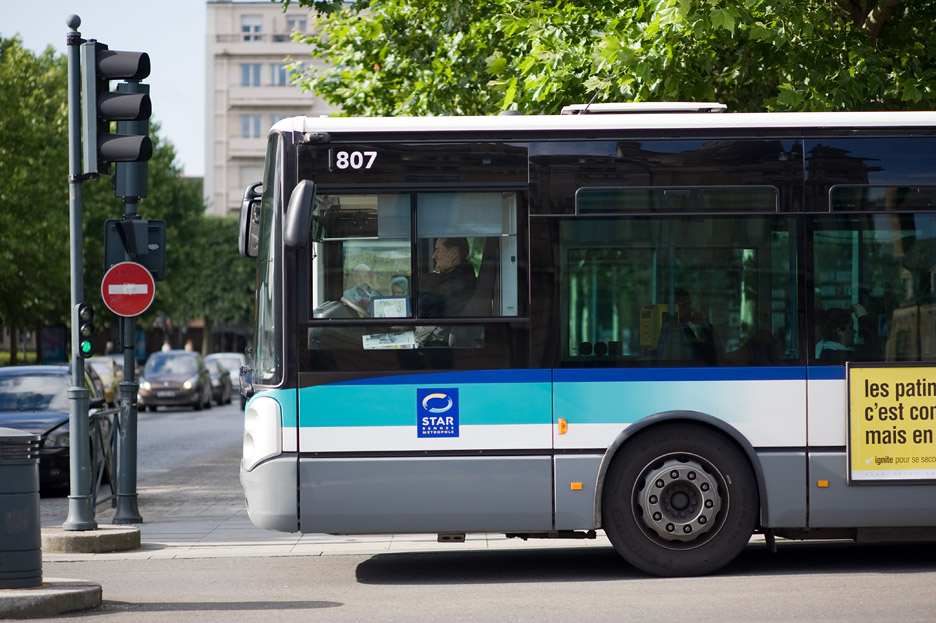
[(20, 528)]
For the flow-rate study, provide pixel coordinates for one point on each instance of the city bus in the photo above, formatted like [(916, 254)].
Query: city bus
[(674, 324)]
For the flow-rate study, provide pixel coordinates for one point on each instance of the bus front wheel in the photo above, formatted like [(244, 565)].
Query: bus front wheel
[(679, 500)]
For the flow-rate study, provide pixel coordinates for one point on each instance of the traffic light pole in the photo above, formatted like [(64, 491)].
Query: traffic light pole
[(80, 503), (127, 511), (131, 184), (91, 149)]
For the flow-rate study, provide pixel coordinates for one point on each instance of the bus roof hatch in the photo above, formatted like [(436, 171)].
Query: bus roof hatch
[(641, 107)]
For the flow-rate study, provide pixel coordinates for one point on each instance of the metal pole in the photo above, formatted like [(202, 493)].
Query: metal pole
[(131, 185), (128, 511), (80, 504)]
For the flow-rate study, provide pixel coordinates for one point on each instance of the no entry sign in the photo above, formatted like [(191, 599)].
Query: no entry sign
[(128, 289)]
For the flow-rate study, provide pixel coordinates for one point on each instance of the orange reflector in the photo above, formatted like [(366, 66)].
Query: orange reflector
[(576, 486), (563, 426), (822, 483)]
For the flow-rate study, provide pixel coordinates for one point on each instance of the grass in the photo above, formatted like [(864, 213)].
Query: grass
[(23, 357)]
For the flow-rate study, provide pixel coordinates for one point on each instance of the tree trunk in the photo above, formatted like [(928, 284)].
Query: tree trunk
[(14, 346), (206, 337)]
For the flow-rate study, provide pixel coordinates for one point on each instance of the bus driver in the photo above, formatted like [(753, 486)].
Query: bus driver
[(445, 292)]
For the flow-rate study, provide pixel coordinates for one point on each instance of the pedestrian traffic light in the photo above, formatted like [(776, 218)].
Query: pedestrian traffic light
[(85, 329), (100, 106)]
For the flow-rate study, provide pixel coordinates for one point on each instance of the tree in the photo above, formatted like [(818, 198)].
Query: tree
[(34, 275), (222, 291), (34, 215), (392, 57)]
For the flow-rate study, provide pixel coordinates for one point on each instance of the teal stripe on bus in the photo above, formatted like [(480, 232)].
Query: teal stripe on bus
[(287, 402), (395, 404)]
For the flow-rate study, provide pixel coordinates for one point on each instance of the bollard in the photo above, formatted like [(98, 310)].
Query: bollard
[(20, 529)]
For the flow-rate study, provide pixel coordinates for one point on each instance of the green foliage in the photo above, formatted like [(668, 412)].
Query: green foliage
[(418, 57), (34, 194), (203, 280), (219, 287)]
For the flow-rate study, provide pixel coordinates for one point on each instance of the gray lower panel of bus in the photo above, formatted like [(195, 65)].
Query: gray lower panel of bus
[(425, 494), (886, 504), (271, 490), (515, 494), (575, 508), (785, 488)]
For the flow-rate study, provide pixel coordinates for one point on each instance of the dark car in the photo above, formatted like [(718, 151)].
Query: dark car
[(232, 362), (220, 381), (175, 378), (34, 399)]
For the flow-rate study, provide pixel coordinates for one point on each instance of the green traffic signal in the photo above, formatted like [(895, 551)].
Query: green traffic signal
[(85, 315)]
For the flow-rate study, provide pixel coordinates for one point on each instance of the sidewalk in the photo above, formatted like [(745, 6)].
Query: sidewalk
[(201, 514)]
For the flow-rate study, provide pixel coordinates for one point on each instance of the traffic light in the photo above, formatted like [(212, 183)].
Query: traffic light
[(85, 330), (100, 106)]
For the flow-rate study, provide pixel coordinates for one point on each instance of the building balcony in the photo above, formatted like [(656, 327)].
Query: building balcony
[(247, 147), (269, 96), (279, 45)]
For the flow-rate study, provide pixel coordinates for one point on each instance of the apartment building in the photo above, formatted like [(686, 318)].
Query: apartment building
[(248, 90)]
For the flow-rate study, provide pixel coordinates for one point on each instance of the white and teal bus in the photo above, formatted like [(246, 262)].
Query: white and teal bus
[(680, 326)]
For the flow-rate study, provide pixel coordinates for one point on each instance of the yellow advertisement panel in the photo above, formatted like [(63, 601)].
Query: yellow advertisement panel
[(891, 422)]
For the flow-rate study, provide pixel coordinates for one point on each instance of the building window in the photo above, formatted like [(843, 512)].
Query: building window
[(250, 126), (250, 74), (280, 74), (250, 27), (274, 119), (293, 25), (296, 24)]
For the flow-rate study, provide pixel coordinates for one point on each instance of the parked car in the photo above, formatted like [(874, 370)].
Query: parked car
[(233, 363), (220, 381), (34, 399), (111, 375), (175, 378)]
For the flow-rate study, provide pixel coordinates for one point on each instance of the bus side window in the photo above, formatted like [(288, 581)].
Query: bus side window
[(876, 276), (678, 291), (467, 257), (364, 261)]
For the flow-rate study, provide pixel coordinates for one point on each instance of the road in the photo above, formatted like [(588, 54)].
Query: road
[(827, 582), (170, 442)]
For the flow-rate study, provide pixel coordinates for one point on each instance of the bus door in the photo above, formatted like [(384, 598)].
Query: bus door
[(685, 314), (872, 382), (417, 409)]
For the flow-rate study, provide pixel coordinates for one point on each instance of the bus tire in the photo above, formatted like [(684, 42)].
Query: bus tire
[(679, 500)]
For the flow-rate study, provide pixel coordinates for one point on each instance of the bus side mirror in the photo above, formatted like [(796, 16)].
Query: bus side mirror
[(248, 233), (246, 384), (299, 215)]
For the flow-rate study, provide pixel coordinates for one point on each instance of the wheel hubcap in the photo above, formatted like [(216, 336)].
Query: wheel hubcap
[(679, 499)]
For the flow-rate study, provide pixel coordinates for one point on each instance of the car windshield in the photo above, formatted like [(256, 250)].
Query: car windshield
[(229, 363), (103, 368), (34, 392), (169, 364)]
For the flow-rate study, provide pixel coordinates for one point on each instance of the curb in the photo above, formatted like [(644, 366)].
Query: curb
[(104, 539), (55, 596)]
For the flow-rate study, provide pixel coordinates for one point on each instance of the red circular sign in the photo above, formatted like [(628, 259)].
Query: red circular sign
[(128, 289)]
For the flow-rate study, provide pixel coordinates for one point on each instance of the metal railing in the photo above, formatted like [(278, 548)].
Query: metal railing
[(255, 38), (104, 424)]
